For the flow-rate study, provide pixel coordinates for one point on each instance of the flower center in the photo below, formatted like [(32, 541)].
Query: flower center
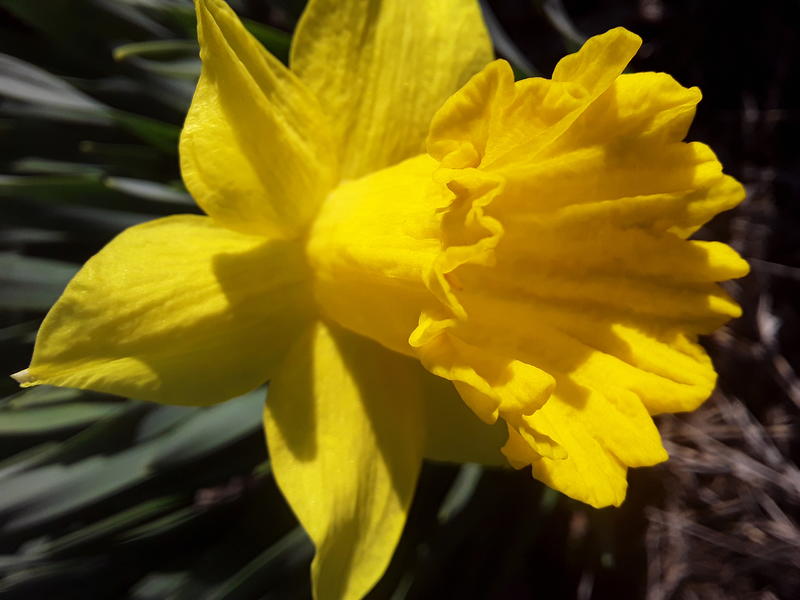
[(370, 247)]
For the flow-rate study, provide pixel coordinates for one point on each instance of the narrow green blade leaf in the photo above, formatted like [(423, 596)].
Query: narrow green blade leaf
[(49, 420), (211, 429), (28, 283), (24, 82), (290, 552), (110, 526)]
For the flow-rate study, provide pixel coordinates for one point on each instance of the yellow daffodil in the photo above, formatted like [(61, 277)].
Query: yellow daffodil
[(393, 220)]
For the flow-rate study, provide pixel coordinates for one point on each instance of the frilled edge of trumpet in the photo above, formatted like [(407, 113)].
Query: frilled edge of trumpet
[(569, 299)]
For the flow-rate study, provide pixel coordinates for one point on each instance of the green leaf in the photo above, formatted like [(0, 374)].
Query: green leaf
[(104, 529), (157, 586), (291, 551), (29, 236), (121, 153), (28, 283), (44, 186), (99, 222), (34, 498), (211, 429), (121, 193), (23, 332), (28, 458), (460, 492), (131, 12), (27, 83), (55, 418), (559, 18), (157, 49), (106, 436), (175, 520), (43, 395), (148, 190), (9, 564), (160, 135), (168, 58), (55, 167), (39, 581), (161, 419)]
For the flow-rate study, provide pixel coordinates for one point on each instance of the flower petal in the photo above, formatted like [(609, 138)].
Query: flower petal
[(602, 434), (370, 245), (383, 67), (498, 118), (255, 150), (599, 61), (346, 432), (178, 310), (583, 423)]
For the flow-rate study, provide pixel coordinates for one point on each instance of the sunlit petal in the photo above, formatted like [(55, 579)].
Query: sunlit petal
[(346, 433), (383, 67), (170, 311), (255, 151)]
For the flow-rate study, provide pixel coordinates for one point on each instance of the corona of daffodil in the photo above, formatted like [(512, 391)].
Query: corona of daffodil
[(424, 257)]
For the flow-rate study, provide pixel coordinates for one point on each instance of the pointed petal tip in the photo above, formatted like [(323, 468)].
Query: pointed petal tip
[(627, 33), (621, 35), (23, 377)]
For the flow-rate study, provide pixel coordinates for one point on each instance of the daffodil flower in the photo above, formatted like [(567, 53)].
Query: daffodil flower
[(425, 258)]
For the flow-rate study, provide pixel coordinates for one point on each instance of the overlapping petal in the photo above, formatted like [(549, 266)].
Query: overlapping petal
[(381, 68), (178, 310), (370, 246), (345, 425), (256, 152)]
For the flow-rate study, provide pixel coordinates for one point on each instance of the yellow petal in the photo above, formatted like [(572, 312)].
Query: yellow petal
[(601, 428), (369, 249), (346, 432), (586, 424), (256, 153), (599, 61), (178, 310), (383, 67), (487, 114), (490, 382)]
